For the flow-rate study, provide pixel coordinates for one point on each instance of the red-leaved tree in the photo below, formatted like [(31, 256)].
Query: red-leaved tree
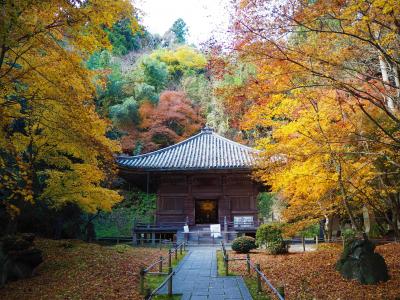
[(173, 119)]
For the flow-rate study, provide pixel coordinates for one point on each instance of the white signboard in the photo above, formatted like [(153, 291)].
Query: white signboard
[(215, 230), (186, 229), (243, 221)]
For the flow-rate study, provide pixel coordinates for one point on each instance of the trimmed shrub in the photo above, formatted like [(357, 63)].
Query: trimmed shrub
[(270, 236), (244, 244)]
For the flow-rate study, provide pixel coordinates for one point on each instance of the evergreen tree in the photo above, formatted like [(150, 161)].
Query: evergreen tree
[(180, 29)]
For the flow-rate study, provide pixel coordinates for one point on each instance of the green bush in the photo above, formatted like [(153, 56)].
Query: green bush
[(137, 205), (270, 236), (348, 235), (244, 244)]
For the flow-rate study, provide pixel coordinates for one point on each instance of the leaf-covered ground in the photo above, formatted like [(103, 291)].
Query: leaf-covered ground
[(78, 270), (312, 275)]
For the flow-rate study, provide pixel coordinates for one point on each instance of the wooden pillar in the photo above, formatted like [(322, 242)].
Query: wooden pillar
[(134, 238), (226, 237), (259, 287), (226, 265), (281, 291), (225, 203), (134, 234), (170, 282), (190, 214), (248, 263), (142, 273), (225, 224)]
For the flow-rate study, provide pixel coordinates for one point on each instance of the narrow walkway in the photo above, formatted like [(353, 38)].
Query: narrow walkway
[(196, 279)]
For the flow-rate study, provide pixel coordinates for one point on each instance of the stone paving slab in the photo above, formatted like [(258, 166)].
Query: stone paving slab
[(196, 279)]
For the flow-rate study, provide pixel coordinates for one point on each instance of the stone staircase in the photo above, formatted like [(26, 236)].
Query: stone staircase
[(201, 235)]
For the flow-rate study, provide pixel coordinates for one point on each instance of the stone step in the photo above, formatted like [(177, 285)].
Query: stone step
[(204, 237)]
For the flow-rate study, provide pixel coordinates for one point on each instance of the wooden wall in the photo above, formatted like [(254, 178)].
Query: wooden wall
[(235, 192)]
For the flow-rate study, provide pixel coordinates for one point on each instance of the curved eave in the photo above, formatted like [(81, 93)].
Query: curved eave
[(205, 151), (144, 170)]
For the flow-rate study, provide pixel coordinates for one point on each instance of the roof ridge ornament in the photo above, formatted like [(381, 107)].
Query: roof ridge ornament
[(207, 129)]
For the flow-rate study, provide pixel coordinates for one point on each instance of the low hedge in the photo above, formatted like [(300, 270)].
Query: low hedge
[(244, 244)]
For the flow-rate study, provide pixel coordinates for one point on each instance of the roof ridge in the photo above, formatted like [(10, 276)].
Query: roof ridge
[(186, 141), (204, 150), (234, 143), (164, 149)]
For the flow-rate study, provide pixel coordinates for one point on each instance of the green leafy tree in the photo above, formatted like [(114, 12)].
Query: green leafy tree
[(152, 72), (144, 91), (265, 203), (126, 38), (126, 113), (180, 29), (311, 231), (198, 88), (99, 60)]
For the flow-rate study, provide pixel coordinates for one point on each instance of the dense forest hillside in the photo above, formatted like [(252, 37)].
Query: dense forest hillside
[(156, 90)]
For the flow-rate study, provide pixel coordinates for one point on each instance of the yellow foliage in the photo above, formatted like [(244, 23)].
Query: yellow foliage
[(80, 185), (181, 58), (48, 124), (333, 141)]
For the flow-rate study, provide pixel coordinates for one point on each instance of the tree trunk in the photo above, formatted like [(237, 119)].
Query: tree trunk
[(354, 224), (396, 81), (385, 79), (369, 219), (328, 228), (90, 232), (395, 221), (58, 226), (12, 226)]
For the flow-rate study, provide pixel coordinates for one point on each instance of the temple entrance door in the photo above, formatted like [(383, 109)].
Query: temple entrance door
[(206, 211)]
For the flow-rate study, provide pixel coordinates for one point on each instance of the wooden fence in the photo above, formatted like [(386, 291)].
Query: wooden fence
[(279, 292), (168, 280)]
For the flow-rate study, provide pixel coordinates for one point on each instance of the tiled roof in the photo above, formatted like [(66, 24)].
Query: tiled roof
[(203, 151)]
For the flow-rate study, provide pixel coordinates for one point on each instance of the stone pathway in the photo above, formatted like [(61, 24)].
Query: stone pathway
[(196, 279)]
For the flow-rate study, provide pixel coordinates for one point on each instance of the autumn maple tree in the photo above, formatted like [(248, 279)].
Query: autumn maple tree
[(53, 144), (173, 119), (324, 104)]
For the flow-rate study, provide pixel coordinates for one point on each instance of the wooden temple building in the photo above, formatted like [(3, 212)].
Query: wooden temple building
[(204, 180)]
